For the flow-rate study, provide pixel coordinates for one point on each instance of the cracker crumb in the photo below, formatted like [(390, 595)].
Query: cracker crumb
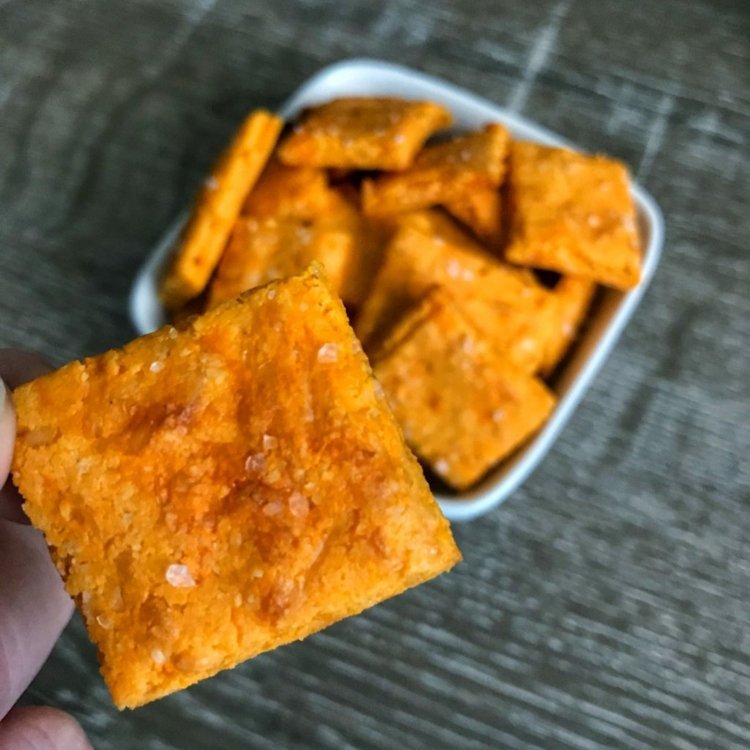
[(178, 575)]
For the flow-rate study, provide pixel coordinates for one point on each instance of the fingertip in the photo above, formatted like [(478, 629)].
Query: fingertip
[(7, 432), (41, 728)]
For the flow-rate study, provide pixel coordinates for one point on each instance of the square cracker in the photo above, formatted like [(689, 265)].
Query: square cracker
[(283, 192), (574, 214), (217, 207), (215, 492), (506, 304), (462, 407), (362, 133), (267, 247), (571, 300), (441, 173)]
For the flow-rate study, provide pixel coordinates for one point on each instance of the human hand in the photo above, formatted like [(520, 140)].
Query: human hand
[(33, 604)]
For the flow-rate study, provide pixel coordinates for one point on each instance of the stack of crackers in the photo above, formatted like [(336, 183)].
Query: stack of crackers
[(467, 261)]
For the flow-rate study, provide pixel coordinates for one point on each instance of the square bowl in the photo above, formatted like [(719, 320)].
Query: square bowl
[(375, 78)]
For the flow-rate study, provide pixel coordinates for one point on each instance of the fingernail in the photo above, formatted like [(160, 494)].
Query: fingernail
[(4, 399)]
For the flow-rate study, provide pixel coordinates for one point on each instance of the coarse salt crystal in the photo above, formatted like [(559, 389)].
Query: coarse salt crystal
[(255, 462), (453, 267), (467, 274), (211, 183), (328, 353), (157, 656), (497, 415), (269, 442), (399, 138), (467, 345), (172, 332), (156, 366), (271, 293), (272, 508), (528, 344), (298, 504), (104, 621), (567, 328), (179, 576), (441, 466)]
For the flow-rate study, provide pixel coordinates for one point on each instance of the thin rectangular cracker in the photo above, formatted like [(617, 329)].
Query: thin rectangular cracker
[(462, 407), (215, 492), (574, 214), (362, 133), (217, 207)]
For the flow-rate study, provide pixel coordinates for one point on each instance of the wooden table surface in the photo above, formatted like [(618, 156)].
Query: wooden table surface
[(605, 605)]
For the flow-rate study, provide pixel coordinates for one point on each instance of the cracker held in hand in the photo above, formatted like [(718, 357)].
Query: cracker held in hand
[(573, 214), (217, 207), (215, 492), (362, 133), (462, 407), (441, 173)]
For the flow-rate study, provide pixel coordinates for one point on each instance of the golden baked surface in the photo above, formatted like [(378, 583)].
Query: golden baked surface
[(363, 133), (572, 213), (215, 492), (463, 407)]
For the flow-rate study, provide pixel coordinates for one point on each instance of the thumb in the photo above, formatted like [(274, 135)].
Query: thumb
[(16, 367)]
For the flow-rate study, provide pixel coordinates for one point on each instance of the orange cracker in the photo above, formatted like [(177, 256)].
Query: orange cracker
[(265, 248), (507, 304), (362, 133), (481, 211), (574, 214), (462, 407), (213, 493), (283, 192), (217, 207), (441, 173), (571, 299)]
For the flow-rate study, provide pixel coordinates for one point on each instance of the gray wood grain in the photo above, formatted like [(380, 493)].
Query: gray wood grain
[(606, 604)]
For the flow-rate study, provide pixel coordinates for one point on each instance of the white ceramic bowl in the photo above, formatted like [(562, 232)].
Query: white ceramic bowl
[(374, 78)]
